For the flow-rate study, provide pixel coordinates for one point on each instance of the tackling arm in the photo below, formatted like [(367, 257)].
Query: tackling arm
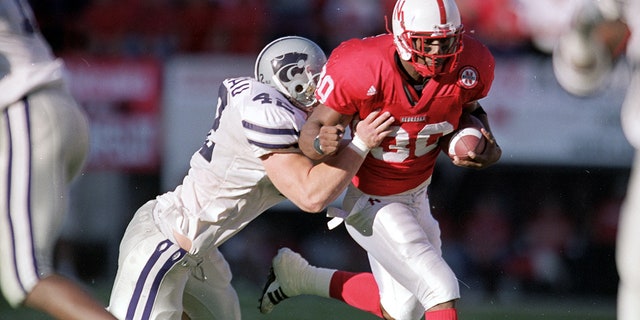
[(312, 188)]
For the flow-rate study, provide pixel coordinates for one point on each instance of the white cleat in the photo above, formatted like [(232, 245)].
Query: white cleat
[(284, 280)]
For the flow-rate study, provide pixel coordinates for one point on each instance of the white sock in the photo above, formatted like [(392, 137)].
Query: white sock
[(316, 281)]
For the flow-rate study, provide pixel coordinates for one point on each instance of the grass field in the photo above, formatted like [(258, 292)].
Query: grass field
[(315, 308)]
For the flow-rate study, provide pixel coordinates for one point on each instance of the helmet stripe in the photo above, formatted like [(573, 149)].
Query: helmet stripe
[(443, 12), (399, 10)]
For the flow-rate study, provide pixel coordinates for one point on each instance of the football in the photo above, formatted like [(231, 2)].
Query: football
[(467, 137)]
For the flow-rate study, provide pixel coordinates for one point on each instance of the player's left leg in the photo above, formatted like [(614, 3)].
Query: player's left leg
[(292, 275), (397, 301), (208, 293), (405, 240), (151, 276), (358, 290)]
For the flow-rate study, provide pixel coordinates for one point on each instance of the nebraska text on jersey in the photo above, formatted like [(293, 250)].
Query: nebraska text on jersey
[(405, 159)]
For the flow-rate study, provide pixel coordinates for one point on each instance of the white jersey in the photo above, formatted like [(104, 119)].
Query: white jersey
[(633, 47), (26, 61), (227, 185)]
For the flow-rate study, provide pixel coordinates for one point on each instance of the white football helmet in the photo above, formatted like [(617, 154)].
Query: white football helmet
[(582, 63), (292, 65), (429, 29)]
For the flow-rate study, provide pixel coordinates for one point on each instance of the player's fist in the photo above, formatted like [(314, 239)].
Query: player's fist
[(328, 140)]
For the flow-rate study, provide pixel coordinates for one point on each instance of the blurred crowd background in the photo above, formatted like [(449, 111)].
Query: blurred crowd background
[(520, 227), (163, 28)]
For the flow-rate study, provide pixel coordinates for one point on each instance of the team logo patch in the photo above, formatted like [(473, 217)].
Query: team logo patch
[(468, 77)]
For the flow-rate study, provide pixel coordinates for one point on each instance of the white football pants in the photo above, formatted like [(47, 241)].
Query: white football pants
[(402, 240), (44, 139), (156, 279)]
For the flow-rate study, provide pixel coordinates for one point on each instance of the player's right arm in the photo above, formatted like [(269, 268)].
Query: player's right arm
[(340, 93), (313, 187), (321, 134)]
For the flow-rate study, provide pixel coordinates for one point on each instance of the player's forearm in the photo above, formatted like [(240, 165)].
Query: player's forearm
[(330, 178), (326, 180)]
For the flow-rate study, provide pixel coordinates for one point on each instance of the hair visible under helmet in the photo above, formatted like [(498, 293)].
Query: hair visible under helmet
[(417, 23), (292, 65)]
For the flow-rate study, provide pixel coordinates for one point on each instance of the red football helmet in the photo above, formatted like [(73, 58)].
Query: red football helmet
[(428, 33)]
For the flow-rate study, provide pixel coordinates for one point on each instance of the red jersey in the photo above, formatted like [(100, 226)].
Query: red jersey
[(362, 75)]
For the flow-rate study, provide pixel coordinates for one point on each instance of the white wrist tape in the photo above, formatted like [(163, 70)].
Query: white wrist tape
[(359, 146)]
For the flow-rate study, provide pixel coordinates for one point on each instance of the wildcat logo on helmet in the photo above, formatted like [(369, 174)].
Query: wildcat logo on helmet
[(287, 66)]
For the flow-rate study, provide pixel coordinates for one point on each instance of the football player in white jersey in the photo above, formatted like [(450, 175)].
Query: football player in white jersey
[(43, 143), (582, 61), (169, 260)]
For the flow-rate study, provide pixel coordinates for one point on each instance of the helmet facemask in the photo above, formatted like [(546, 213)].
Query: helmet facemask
[(428, 34), (295, 79), (434, 53)]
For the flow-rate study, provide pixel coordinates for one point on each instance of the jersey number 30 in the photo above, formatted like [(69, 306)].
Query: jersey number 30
[(401, 150)]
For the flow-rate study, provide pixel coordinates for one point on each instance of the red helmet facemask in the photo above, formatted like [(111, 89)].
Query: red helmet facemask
[(431, 54), (428, 34)]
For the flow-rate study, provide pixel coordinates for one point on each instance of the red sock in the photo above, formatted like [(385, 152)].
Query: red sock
[(358, 290), (443, 314)]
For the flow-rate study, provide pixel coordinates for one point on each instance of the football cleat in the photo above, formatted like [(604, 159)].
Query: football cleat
[(284, 280)]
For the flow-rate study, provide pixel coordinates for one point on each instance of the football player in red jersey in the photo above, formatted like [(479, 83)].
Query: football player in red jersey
[(426, 74)]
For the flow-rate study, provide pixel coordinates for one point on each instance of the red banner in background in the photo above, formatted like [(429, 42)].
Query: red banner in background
[(122, 99)]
